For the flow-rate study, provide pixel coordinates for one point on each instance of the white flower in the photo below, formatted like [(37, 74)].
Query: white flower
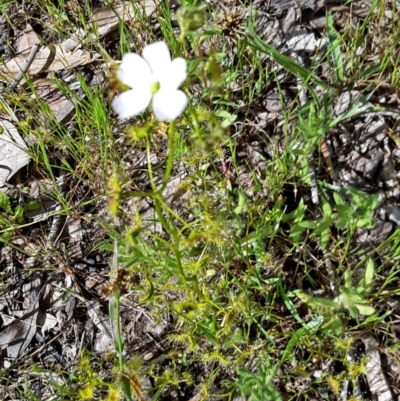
[(152, 77)]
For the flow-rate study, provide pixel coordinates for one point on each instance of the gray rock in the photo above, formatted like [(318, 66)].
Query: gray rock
[(393, 214)]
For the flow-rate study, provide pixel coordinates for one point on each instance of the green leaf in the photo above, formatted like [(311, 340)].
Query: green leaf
[(5, 203), (125, 387), (347, 279), (334, 325), (323, 226), (32, 205), (342, 222), (190, 19), (365, 310), (241, 203), (237, 338), (372, 203), (369, 273), (365, 222), (376, 318), (207, 33), (357, 196), (349, 295), (343, 210), (317, 302), (18, 213), (338, 199), (297, 215), (363, 75), (353, 310), (229, 118), (327, 210), (295, 232), (325, 239)]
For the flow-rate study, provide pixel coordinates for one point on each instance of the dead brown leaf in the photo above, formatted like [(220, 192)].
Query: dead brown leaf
[(51, 58), (377, 381), (13, 151), (17, 336), (106, 19), (68, 54), (26, 41)]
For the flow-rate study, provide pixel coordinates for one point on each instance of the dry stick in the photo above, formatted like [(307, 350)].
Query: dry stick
[(326, 153), (18, 78), (55, 226), (314, 191), (25, 68)]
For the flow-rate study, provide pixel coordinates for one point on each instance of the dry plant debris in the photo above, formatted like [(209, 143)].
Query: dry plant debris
[(12, 151)]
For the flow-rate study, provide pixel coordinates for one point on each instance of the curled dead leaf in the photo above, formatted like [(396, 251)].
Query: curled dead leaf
[(13, 151), (51, 58)]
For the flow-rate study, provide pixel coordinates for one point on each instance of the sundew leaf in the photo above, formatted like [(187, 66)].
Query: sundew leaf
[(347, 279), (334, 325), (324, 239), (32, 205), (327, 210), (366, 222), (317, 302), (5, 203), (338, 199), (365, 310), (348, 295), (369, 273), (322, 227)]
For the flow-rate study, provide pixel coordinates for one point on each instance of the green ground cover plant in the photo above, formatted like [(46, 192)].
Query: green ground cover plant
[(250, 266)]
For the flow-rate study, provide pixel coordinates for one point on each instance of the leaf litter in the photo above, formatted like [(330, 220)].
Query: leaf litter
[(13, 151)]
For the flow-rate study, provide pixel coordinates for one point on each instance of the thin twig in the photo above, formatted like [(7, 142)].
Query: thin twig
[(56, 224), (25, 68)]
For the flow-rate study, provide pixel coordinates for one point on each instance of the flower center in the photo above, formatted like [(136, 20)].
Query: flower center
[(155, 87)]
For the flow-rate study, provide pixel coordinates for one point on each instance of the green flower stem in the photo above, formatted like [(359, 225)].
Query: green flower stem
[(178, 257), (114, 307), (168, 170), (115, 310), (149, 168), (170, 160)]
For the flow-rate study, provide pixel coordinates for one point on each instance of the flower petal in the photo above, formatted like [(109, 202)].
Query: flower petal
[(174, 74), (168, 105), (134, 71), (158, 57), (131, 103)]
